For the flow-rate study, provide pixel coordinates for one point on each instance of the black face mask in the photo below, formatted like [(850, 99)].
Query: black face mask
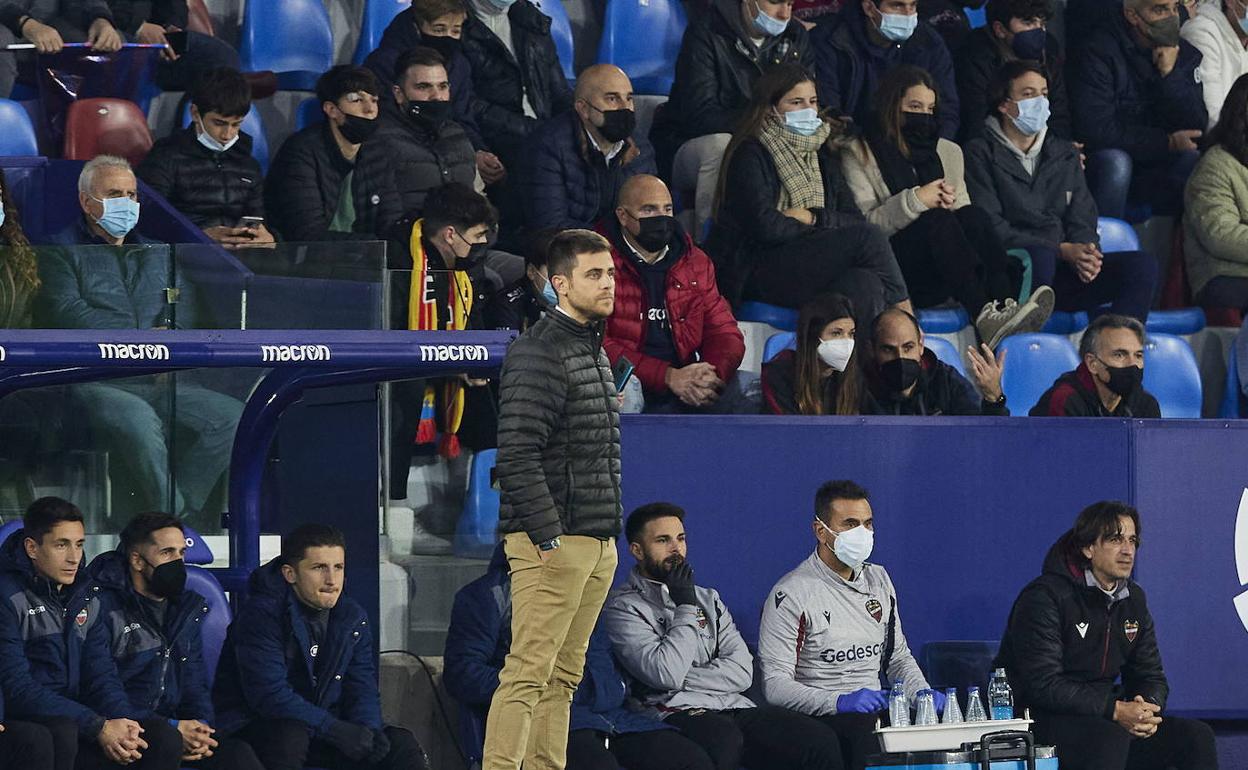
[(655, 232), (476, 253), (918, 127), (168, 579), (357, 130), (900, 373), (1030, 44), (435, 113), (1123, 379), (617, 125), (444, 44)]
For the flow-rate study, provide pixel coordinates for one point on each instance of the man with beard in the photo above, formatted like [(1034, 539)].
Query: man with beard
[(691, 665)]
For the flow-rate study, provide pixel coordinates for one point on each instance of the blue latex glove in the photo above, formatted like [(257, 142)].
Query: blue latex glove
[(864, 701), (938, 700)]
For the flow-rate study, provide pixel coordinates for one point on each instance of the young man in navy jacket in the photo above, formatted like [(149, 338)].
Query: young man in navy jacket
[(297, 678), (138, 636)]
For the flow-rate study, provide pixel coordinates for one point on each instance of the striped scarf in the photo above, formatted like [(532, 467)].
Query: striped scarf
[(797, 162)]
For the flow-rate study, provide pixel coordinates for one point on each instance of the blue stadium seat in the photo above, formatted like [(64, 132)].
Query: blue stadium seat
[(1033, 362), (253, 127), (214, 624), (308, 112), (377, 16), (648, 58), (1116, 235), (1230, 396), (1171, 374), (561, 31), (945, 320), (197, 551), (292, 38), (9, 528), (17, 132), (777, 343), (978, 17), (1060, 323), (475, 533), (1185, 320), (946, 352), (772, 315)]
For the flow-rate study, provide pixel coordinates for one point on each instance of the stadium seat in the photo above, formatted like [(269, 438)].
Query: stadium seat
[(957, 663), (561, 31), (777, 343), (772, 315), (106, 127), (215, 623), (292, 38), (197, 551), (198, 19), (9, 528), (377, 16), (1116, 235), (308, 112), (946, 352), (977, 17), (1060, 323), (1171, 374), (1230, 396), (476, 532), (944, 320), (1033, 362), (1186, 320), (253, 127), (17, 132), (649, 58)]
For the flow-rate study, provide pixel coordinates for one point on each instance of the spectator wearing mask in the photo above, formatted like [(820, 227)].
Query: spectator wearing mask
[(670, 321), (1219, 31), (907, 378), (151, 22), (1109, 381), (308, 193), (48, 25), (1031, 184), (868, 40), (1139, 107), (1215, 227), (787, 228), (577, 162), (137, 631), (413, 150), (1016, 29), (721, 56), (206, 171), (821, 375), (909, 183)]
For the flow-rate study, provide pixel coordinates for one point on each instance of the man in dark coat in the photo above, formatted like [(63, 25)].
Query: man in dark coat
[(1080, 650), (1110, 379)]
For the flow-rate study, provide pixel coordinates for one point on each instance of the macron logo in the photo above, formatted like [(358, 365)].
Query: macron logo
[(109, 351), (1241, 557), (454, 353), (270, 353)]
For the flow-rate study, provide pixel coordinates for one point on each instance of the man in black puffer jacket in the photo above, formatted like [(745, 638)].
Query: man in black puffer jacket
[(413, 151), (559, 469), (1081, 652)]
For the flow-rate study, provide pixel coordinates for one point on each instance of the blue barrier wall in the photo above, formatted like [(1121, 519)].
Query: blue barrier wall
[(965, 510)]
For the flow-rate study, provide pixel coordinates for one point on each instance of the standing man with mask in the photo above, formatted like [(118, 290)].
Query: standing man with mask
[(831, 631), (1110, 379), (855, 48), (559, 470)]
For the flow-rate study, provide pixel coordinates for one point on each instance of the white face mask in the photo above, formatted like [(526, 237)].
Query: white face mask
[(209, 141), (836, 353), (853, 546)]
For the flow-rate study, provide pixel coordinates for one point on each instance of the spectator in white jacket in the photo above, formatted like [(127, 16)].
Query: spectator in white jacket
[(1219, 30)]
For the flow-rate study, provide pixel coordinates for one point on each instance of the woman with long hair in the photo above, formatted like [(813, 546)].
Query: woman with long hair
[(19, 271), (910, 183), (786, 227), (821, 376)]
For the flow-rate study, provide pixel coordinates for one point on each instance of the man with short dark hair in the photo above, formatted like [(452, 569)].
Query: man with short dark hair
[(137, 633), (39, 564), (1109, 381), (679, 642), (1080, 651), (559, 470), (213, 147), (830, 639), (308, 192), (298, 678)]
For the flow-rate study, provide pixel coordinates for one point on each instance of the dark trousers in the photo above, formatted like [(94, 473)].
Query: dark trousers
[(956, 254), (1114, 179), (1096, 743), (26, 746), (287, 744), (652, 750), (856, 261), (762, 738), (1127, 282), (1224, 291), (856, 735), (164, 752), (63, 733)]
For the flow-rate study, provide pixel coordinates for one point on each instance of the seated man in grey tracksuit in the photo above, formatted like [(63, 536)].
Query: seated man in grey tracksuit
[(831, 631), (690, 665)]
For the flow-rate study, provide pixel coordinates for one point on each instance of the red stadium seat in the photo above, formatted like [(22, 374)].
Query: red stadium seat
[(198, 18), (106, 127)]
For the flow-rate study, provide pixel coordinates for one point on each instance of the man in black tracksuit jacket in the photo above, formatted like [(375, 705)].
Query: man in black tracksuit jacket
[(1081, 652)]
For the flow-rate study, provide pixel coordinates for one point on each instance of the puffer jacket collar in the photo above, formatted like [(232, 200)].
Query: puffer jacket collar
[(14, 561)]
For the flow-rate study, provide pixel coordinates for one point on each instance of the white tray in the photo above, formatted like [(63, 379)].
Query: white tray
[(943, 737)]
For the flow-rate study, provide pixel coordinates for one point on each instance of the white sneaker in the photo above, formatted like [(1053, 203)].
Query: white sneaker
[(996, 323)]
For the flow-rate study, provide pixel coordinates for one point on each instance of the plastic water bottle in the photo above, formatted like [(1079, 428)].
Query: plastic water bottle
[(953, 713), (1000, 697), (974, 706), (898, 706)]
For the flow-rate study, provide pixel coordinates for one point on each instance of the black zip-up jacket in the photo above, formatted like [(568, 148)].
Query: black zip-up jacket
[(1074, 395), (1070, 649), (209, 188), (940, 390), (559, 433), (129, 15), (304, 184)]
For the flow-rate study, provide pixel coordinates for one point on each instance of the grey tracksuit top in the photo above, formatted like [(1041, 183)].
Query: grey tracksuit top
[(683, 657), (822, 636)]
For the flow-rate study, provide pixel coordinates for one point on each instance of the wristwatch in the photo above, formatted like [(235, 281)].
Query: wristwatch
[(548, 545)]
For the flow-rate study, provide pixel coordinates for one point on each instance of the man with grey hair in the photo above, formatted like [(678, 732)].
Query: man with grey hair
[(107, 276), (1109, 381)]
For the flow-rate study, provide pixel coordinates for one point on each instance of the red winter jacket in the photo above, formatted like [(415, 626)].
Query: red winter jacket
[(701, 318)]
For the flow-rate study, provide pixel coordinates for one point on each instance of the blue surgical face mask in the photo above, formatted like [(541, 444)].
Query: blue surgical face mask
[(209, 141), (805, 121), (119, 217), (898, 27), (769, 25), (1033, 115), (548, 293)]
